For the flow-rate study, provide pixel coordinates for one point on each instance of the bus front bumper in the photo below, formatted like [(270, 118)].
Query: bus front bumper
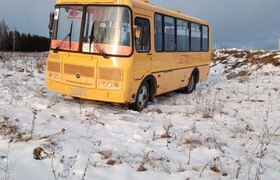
[(87, 93)]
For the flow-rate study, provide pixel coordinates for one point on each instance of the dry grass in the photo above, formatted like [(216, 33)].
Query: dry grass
[(252, 57), (242, 54), (141, 168), (244, 59), (165, 134), (192, 142), (23, 62), (222, 58), (10, 130), (265, 60), (243, 74), (215, 169), (105, 154), (207, 113), (111, 162), (7, 128), (40, 67)]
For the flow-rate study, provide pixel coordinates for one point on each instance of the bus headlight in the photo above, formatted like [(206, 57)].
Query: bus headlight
[(53, 75), (116, 85), (109, 85)]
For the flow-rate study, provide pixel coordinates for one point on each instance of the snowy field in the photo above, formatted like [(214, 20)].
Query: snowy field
[(228, 128)]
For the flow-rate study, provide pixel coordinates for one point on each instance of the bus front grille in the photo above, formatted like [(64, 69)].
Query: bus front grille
[(81, 70)]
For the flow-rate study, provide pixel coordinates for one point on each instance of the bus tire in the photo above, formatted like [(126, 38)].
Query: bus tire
[(142, 98), (151, 81), (192, 84)]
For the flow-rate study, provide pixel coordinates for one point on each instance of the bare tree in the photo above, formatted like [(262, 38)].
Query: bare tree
[(3, 35)]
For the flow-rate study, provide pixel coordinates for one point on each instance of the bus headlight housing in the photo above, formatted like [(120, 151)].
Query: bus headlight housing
[(109, 79), (108, 85), (53, 75)]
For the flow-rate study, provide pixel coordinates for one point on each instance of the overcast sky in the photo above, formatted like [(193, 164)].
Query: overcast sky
[(235, 23)]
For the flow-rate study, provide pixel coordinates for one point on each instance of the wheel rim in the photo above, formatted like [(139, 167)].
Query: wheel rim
[(143, 97), (191, 83)]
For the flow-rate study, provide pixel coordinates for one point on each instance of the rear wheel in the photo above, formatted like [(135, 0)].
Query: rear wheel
[(142, 98), (191, 85)]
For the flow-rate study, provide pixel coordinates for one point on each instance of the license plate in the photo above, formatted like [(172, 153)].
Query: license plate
[(77, 91)]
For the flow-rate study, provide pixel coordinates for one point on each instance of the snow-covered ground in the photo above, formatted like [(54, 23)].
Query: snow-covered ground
[(227, 129)]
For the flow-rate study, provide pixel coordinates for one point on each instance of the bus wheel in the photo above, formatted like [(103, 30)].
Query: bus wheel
[(191, 85), (142, 98)]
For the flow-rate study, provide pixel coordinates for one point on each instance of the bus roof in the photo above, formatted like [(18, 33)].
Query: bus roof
[(174, 13), (144, 4)]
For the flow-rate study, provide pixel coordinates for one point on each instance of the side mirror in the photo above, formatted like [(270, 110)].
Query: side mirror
[(51, 22)]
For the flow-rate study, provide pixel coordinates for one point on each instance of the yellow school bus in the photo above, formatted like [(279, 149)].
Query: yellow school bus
[(125, 51)]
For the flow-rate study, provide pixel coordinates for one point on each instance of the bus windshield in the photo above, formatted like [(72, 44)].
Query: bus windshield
[(109, 28), (69, 20)]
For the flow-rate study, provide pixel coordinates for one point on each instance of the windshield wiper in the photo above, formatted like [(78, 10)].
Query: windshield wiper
[(69, 35), (93, 41)]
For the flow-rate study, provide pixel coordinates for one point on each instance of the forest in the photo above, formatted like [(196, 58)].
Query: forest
[(13, 40)]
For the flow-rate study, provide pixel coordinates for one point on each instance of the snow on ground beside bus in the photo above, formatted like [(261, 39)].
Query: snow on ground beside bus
[(228, 128)]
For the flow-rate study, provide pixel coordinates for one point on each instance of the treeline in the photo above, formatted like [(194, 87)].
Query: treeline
[(16, 41)]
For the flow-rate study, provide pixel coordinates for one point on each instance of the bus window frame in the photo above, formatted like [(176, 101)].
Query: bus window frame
[(190, 34), (191, 49), (208, 31), (85, 6), (162, 32), (56, 22), (188, 22), (150, 38), (175, 33)]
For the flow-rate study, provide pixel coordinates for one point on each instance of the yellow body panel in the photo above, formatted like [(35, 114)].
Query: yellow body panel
[(117, 79), (94, 71)]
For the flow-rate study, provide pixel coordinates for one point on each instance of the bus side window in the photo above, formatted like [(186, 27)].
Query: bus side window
[(183, 38), (143, 42), (169, 34), (158, 33), (195, 37), (205, 39)]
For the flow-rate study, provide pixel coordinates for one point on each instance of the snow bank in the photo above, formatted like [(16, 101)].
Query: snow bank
[(228, 128)]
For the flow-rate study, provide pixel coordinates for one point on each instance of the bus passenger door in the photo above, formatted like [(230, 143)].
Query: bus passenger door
[(142, 55)]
